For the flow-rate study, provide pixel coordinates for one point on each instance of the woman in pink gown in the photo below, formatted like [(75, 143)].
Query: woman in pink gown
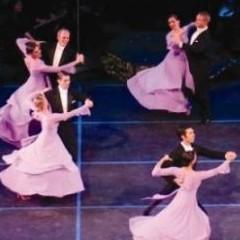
[(182, 219), (160, 87), (44, 167), (14, 116)]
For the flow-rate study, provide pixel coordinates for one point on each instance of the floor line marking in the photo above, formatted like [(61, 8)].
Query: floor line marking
[(237, 205), (145, 162), (161, 206), (135, 162), (229, 121), (78, 197)]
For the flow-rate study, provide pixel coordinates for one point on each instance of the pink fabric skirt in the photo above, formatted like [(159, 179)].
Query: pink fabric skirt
[(57, 183)]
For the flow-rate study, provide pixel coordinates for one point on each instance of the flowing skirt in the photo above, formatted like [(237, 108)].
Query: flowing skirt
[(44, 167), (182, 219), (160, 87), (15, 115)]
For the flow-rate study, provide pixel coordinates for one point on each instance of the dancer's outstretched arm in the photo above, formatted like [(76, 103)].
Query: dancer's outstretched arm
[(172, 43), (66, 67), (159, 171), (203, 151), (224, 168), (21, 43), (188, 26), (83, 110)]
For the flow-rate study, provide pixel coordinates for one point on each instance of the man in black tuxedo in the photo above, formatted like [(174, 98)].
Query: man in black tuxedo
[(58, 53), (63, 99), (197, 51), (187, 137)]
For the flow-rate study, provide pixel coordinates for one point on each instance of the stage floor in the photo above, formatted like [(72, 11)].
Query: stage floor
[(118, 147)]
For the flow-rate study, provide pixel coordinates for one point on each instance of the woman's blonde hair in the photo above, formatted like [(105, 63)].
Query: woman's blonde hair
[(39, 102)]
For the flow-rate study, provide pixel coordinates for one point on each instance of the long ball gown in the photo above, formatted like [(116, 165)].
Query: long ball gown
[(44, 167), (14, 115), (182, 219), (160, 87)]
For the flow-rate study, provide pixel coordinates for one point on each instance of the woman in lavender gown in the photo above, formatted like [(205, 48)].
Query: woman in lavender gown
[(44, 167), (160, 87), (14, 116), (182, 218)]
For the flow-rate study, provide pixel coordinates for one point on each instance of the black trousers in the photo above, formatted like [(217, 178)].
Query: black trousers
[(201, 95), (68, 133)]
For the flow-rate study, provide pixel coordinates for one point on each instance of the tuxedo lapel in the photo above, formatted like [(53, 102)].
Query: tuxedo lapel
[(199, 37), (201, 34), (52, 52), (190, 33), (58, 101), (64, 56), (70, 99)]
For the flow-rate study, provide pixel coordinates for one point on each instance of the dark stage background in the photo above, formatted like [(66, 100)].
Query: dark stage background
[(102, 22)]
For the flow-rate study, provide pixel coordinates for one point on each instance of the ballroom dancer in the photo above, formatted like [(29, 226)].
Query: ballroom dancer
[(44, 167), (198, 50), (14, 116), (182, 219), (187, 136), (63, 99), (161, 87), (59, 53)]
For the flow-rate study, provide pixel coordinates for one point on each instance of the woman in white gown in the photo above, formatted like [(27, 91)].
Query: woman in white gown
[(45, 167), (182, 219), (160, 87)]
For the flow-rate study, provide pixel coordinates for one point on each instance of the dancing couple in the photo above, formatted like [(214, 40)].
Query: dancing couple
[(14, 116), (183, 73), (35, 168), (184, 218), (49, 154)]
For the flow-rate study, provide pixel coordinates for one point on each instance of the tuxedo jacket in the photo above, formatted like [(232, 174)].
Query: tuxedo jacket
[(198, 53), (176, 154), (54, 99), (68, 55), (67, 130)]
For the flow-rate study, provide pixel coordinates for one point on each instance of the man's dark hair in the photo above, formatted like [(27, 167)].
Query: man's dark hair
[(181, 131), (175, 16)]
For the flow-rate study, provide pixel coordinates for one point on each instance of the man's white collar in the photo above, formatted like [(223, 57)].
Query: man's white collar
[(62, 89), (187, 147), (60, 46), (202, 29)]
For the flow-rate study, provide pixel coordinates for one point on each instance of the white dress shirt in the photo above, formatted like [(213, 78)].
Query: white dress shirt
[(57, 55), (64, 98), (196, 34), (187, 147)]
